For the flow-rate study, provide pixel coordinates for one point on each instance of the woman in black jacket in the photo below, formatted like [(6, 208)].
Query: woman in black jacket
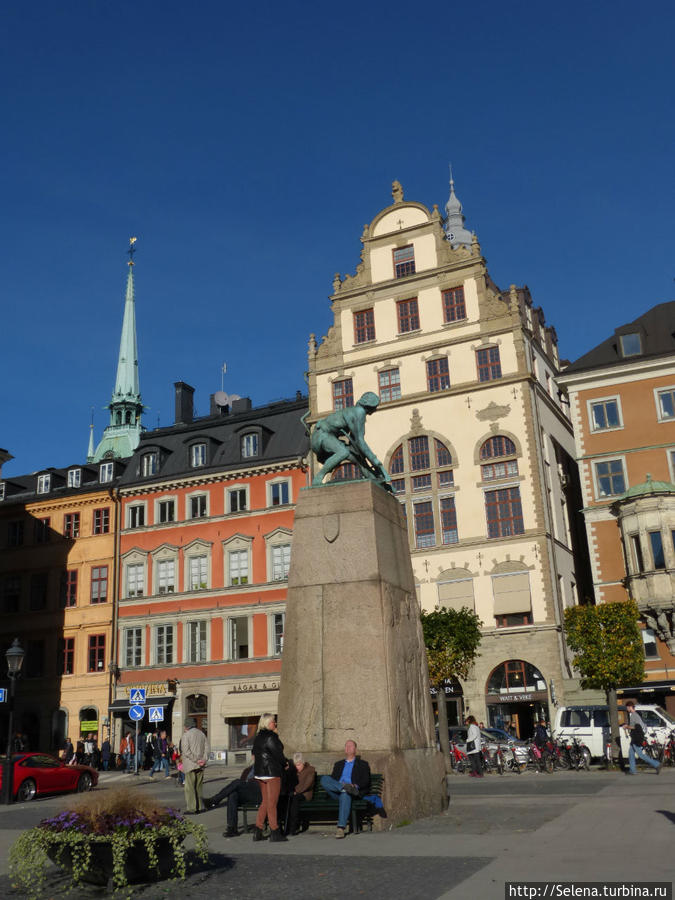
[(269, 763)]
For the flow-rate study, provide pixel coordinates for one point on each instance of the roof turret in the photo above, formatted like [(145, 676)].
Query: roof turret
[(455, 232)]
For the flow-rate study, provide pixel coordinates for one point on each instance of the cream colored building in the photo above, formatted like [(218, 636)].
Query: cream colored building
[(477, 443)]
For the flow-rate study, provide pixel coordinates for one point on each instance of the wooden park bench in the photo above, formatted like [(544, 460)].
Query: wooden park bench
[(323, 808)]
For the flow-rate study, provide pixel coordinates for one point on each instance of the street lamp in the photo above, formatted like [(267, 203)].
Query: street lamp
[(14, 657)]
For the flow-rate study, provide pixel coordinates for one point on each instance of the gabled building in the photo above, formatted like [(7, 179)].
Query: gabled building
[(206, 522), (475, 438), (622, 398)]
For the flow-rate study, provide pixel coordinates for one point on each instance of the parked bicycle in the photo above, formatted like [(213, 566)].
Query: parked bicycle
[(578, 754)]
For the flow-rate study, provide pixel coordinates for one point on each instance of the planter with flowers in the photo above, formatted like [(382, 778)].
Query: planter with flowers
[(123, 835)]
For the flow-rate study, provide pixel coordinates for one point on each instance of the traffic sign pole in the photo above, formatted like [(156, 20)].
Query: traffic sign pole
[(136, 751)]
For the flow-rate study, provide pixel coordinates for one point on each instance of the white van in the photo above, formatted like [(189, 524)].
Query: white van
[(590, 724)]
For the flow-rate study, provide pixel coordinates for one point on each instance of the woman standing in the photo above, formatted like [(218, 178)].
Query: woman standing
[(473, 747), (269, 763)]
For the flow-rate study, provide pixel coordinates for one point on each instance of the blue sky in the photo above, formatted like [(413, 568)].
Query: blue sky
[(246, 146)]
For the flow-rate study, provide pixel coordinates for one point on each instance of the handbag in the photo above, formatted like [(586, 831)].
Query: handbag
[(470, 746)]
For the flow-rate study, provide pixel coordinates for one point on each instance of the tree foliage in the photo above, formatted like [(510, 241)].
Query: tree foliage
[(452, 638), (607, 644)]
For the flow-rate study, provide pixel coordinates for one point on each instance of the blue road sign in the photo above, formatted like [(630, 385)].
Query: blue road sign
[(136, 713), (3, 695), (156, 713), (137, 695)]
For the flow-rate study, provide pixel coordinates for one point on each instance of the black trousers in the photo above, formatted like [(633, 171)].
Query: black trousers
[(244, 792), (295, 813)]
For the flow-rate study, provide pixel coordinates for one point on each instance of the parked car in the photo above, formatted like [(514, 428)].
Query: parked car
[(36, 774), (590, 724), (457, 733), (499, 734)]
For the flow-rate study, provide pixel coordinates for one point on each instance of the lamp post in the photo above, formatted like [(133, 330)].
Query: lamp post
[(14, 657)]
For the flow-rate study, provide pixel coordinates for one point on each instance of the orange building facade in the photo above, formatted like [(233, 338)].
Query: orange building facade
[(622, 397)]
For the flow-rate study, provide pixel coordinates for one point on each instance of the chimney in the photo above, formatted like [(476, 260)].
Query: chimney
[(184, 404), (241, 405)]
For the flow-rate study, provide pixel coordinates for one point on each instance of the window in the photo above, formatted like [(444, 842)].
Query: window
[(448, 521), (414, 457), (237, 500), (196, 642), (390, 385), (106, 472), (2, 490), (14, 534), (71, 525), (397, 465), (455, 589), (398, 485), (438, 375), (133, 647), (35, 659), (491, 471), (408, 315), (238, 628), (504, 512), (65, 654), (166, 576), (604, 414), (69, 588), (74, 478), (419, 453), (343, 394), (197, 573), (149, 463), (636, 548), (512, 599), (249, 445), (499, 445), (136, 516), (96, 647), (198, 506), (364, 326), (164, 645), (197, 455), (454, 307), (135, 580), (488, 363), (656, 544), (238, 566), (43, 483), (404, 261), (281, 562), (11, 592), (424, 524), (631, 345), (511, 620), (666, 404), (42, 530), (443, 455), (166, 511), (277, 624), (99, 584), (446, 478), (38, 591), (421, 482), (102, 520), (279, 493), (609, 477), (649, 643)]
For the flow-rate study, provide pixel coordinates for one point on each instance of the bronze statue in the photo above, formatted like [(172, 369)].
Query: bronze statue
[(339, 438)]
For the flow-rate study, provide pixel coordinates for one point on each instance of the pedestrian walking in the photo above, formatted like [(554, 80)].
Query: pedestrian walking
[(474, 747), (636, 731)]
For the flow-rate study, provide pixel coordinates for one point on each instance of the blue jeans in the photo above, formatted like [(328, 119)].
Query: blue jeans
[(334, 789), (160, 763), (634, 751)]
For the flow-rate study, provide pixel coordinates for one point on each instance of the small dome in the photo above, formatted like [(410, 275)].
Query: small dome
[(648, 488)]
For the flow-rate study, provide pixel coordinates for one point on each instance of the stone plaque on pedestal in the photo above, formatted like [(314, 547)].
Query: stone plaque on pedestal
[(354, 664)]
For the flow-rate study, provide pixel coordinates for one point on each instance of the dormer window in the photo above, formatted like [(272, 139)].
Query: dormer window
[(197, 455), (2, 490), (631, 345), (149, 463), (43, 484), (74, 478), (105, 472), (249, 445)]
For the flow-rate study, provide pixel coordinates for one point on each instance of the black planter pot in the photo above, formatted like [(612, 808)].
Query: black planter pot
[(136, 866)]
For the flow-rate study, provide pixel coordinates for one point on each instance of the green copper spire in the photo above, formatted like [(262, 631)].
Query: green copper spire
[(122, 435)]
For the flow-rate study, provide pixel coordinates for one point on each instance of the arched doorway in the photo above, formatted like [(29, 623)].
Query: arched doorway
[(88, 722), (197, 706), (516, 697), (453, 702)]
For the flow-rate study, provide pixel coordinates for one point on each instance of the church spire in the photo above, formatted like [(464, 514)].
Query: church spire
[(455, 231), (122, 435)]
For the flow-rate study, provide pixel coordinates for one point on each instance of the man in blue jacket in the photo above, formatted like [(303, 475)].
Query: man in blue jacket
[(350, 778)]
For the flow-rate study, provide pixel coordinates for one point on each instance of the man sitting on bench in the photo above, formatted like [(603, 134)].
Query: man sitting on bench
[(350, 778)]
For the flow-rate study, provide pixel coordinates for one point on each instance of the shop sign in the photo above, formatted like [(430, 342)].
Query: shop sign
[(89, 726), (154, 688), (517, 698), (251, 687)]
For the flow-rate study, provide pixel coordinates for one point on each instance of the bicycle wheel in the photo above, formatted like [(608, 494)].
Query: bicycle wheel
[(500, 764), (548, 764), (586, 759)]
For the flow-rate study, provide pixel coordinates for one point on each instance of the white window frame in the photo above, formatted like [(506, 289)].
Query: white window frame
[(277, 538), (649, 633), (143, 578), (187, 640), (149, 463), (2, 490), (74, 478), (188, 504), (155, 644), (126, 631), (230, 489), (106, 472), (43, 484), (671, 463), (196, 548), (662, 390), (162, 555), (594, 402), (198, 455), (231, 656), (270, 489), (242, 558), (596, 486), (247, 452), (127, 515), (158, 504), (271, 632), (630, 334)]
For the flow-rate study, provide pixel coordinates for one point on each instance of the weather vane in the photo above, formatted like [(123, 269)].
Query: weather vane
[(131, 250)]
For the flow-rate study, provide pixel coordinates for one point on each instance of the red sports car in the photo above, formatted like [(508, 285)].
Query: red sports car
[(40, 773)]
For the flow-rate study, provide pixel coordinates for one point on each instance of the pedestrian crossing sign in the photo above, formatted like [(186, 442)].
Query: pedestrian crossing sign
[(156, 714), (137, 695)]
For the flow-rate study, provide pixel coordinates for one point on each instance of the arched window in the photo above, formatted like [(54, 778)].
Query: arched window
[(515, 675), (499, 448)]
